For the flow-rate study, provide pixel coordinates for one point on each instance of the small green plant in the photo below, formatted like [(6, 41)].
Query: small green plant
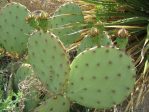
[(10, 104)]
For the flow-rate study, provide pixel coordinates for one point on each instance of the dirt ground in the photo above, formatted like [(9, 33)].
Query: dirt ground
[(46, 5)]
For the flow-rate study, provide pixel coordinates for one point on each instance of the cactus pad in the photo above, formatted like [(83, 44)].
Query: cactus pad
[(121, 42), (66, 23), (101, 78), (49, 59), (13, 27), (55, 104), (32, 99), (25, 70), (105, 39), (88, 42)]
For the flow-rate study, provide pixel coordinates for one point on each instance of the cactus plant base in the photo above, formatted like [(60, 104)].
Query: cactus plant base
[(54, 104)]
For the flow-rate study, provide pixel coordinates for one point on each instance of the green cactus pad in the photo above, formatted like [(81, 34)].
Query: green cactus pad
[(32, 99), (121, 42), (49, 59), (25, 70), (13, 28), (101, 78), (66, 23), (32, 21), (88, 42), (105, 39), (55, 104), (101, 39)]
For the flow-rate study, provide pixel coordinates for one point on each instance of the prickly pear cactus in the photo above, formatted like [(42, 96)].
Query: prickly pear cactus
[(66, 23), (54, 104), (48, 57), (101, 78), (25, 70), (13, 28)]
